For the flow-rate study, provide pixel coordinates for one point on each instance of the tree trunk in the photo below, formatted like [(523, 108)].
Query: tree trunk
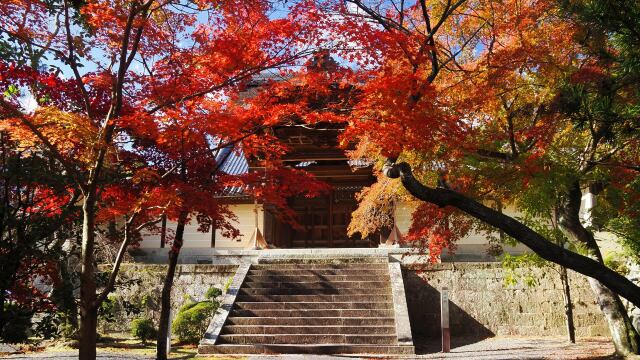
[(165, 303), (88, 308), (624, 335), (517, 230), (568, 305), (63, 296), (9, 268), (2, 314)]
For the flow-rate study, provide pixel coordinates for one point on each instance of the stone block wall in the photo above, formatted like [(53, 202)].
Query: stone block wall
[(140, 285), (482, 305)]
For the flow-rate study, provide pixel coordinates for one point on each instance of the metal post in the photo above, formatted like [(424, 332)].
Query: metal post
[(444, 320)]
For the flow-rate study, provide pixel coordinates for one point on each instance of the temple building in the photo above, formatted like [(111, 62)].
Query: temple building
[(323, 220)]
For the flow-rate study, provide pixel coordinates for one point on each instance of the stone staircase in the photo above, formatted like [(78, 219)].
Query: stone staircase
[(309, 307)]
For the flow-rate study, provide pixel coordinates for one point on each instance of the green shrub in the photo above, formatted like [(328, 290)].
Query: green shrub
[(107, 311), (143, 329), (146, 301), (18, 324), (227, 284), (192, 320), (213, 293), (617, 262), (55, 325), (49, 326), (187, 306)]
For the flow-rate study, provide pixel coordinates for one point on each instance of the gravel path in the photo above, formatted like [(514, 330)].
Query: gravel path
[(494, 348)]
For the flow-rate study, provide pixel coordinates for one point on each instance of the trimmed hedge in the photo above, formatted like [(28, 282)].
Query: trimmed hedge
[(143, 329), (192, 320)]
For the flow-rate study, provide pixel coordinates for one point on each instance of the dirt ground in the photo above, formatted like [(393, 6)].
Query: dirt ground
[(493, 348)]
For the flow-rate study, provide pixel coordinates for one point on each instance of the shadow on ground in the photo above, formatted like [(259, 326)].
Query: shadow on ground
[(423, 302)]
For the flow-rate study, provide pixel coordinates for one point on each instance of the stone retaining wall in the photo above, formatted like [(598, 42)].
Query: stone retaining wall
[(141, 286), (483, 306)]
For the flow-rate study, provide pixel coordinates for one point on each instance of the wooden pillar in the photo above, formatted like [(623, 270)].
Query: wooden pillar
[(347, 219), (308, 232), (330, 218)]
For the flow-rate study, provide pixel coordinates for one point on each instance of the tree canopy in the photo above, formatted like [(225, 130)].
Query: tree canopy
[(475, 105)]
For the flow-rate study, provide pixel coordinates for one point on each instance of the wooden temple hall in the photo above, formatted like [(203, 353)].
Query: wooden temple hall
[(323, 220)]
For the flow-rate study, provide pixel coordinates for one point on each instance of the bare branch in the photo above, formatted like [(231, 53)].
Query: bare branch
[(71, 59), (120, 256)]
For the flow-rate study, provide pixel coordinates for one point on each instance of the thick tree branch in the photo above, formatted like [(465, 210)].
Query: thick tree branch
[(497, 155), (448, 11), (536, 242), (106, 132), (120, 256), (430, 42)]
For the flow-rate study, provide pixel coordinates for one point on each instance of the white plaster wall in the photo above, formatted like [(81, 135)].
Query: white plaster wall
[(245, 224), (474, 240), (194, 239)]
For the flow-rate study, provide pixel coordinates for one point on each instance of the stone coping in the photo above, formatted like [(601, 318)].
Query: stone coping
[(406, 255), (216, 324), (452, 265), (181, 268), (273, 252), (231, 268), (400, 309), (238, 256)]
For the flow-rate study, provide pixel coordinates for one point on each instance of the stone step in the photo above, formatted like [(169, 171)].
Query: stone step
[(318, 285), (313, 298), (312, 306), (319, 272), (306, 339), (319, 259), (305, 349), (310, 321), (356, 266), (315, 313), (275, 305), (313, 291), (326, 329), (304, 278)]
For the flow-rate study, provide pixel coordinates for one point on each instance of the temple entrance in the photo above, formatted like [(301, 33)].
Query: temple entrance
[(323, 223)]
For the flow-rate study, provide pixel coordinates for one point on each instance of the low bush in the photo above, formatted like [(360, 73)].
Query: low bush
[(192, 320), (143, 329), (213, 293), (107, 311), (18, 324)]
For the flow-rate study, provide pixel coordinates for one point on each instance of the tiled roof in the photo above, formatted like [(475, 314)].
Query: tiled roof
[(231, 161)]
